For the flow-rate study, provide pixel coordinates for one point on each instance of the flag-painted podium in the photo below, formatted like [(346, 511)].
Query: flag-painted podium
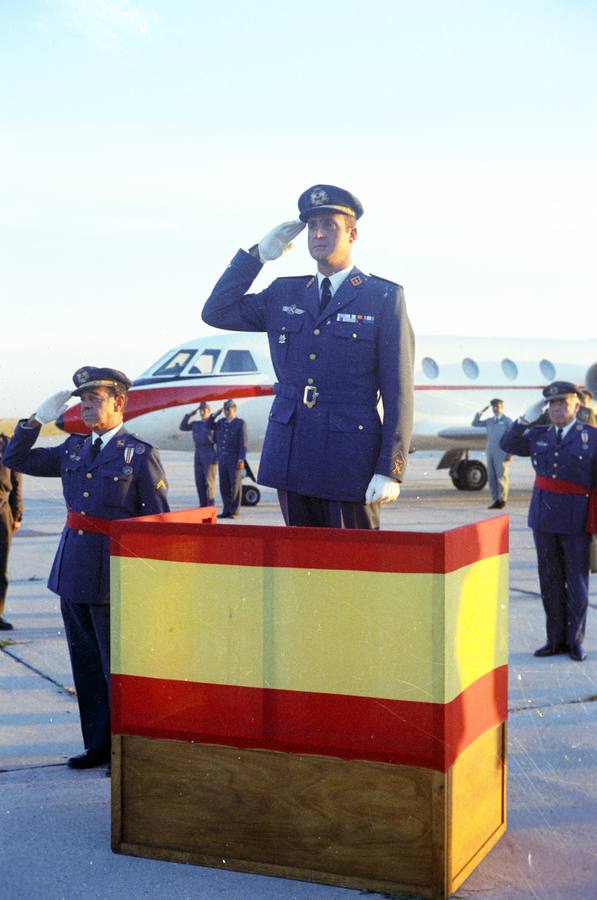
[(317, 704)]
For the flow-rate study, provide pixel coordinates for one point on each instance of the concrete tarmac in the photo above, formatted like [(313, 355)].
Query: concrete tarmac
[(55, 822)]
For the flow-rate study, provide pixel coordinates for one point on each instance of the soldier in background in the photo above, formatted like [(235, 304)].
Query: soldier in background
[(11, 513), (206, 461), (586, 413), (107, 475), (563, 507), (231, 443), (497, 461)]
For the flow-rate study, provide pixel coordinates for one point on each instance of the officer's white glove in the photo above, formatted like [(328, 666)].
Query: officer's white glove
[(51, 408), (382, 489), (279, 240), (531, 414)]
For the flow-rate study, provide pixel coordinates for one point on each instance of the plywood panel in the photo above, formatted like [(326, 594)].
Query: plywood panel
[(358, 822)]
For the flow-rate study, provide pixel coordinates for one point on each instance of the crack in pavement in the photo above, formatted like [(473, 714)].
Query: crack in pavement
[(63, 687)]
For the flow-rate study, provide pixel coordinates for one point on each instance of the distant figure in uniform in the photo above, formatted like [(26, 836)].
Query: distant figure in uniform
[(338, 340), (231, 442), (586, 412), (109, 475), (497, 461), (11, 513), (563, 506), (205, 452)]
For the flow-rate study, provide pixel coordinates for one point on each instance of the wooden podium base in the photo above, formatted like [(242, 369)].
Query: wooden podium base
[(352, 823)]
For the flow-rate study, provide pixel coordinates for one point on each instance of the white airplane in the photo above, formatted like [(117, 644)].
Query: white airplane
[(454, 378)]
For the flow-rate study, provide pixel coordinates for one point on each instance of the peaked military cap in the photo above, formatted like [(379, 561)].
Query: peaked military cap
[(557, 390), (496, 400), (228, 404), (328, 197), (204, 405), (88, 377)]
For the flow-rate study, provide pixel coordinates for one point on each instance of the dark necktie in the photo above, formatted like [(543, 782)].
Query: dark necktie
[(96, 447), (559, 435), (326, 294)]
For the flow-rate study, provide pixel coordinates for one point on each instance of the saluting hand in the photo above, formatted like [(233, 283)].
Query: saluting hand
[(279, 240), (50, 409)]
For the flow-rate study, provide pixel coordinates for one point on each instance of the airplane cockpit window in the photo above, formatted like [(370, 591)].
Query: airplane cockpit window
[(238, 361), (510, 369), (205, 363), (548, 370), (430, 367), (174, 366), (470, 368)]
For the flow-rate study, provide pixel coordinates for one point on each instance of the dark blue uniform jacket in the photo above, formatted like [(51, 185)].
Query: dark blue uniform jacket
[(203, 437), (119, 484), (574, 460), (359, 347), (231, 440)]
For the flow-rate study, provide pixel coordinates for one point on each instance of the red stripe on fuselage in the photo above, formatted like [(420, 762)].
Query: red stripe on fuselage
[(144, 400)]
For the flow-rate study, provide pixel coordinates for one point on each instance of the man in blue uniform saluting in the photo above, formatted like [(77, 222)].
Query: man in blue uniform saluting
[(108, 475), (204, 431), (562, 511), (339, 341), (231, 441)]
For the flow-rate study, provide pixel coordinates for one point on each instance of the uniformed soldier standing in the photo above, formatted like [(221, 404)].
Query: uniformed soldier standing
[(109, 475), (205, 452), (338, 340), (497, 461), (231, 442), (11, 513), (564, 456)]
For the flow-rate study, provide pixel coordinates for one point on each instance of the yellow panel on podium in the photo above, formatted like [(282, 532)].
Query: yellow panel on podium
[(317, 704)]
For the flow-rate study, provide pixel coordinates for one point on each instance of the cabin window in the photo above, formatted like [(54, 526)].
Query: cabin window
[(238, 361), (430, 367), (174, 366), (470, 368), (205, 363), (548, 370), (510, 369)]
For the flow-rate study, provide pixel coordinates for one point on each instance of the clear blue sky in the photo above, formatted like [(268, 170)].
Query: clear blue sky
[(142, 142)]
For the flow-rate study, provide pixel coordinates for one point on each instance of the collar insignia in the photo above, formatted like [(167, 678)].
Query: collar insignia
[(356, 281)]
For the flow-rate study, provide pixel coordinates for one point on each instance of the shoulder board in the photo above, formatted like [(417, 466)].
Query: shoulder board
[(385, 280)]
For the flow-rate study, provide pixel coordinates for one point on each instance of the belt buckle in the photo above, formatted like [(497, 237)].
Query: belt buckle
[(310, 396)]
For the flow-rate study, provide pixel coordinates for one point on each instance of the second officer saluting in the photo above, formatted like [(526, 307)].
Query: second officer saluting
[(338, 340), (109, 475)]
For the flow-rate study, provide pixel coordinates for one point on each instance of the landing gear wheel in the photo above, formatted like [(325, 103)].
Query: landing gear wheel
[(251, 495), (470, 475)]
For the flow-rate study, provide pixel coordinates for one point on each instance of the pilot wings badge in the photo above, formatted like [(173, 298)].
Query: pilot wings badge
[(293, 310)]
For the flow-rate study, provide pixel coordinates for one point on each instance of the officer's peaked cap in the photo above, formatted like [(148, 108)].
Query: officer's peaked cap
[(322, 197), (229, 403), (496, 400), (204, 405), (88, 377), (557, 390)]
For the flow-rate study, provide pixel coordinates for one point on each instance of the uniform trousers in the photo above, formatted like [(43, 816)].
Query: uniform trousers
[(563, 561), (87, 628), (299, 509), (497, 472), (5, 542), (205, 481), (231, 480)]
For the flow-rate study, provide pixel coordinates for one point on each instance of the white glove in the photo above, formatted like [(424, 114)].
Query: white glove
[(51, 408), (382, 489), (279, 240), (531, 414)]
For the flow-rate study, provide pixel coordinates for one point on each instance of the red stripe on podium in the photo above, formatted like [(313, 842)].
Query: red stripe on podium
[(174, 540), (430, 735)]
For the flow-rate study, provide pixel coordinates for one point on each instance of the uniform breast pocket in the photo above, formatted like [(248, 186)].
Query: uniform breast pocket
[(284, 337), (116, 489), (356, 344)]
